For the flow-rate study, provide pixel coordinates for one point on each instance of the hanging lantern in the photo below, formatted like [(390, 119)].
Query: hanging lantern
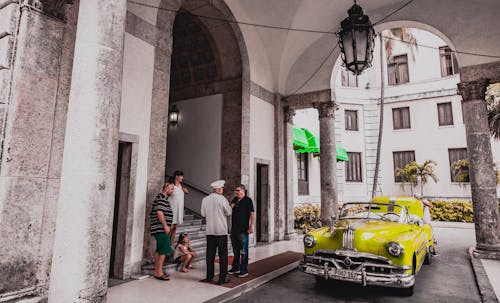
[(173, 115), (356, 40)]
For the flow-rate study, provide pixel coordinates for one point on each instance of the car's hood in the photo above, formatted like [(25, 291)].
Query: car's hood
[(367, 235)]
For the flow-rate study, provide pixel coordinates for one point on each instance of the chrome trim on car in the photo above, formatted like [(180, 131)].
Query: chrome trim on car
[(362, 268), (348, 235)]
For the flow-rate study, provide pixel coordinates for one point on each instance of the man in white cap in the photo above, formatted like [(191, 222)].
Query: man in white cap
[(215, 208)]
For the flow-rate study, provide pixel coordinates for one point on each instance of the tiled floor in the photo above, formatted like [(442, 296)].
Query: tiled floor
[(185, 287)]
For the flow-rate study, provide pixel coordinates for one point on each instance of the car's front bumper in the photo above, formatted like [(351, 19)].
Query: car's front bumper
[(329, 270)]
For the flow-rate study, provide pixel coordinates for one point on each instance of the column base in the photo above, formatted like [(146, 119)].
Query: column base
[(291, 236), (487, 253)]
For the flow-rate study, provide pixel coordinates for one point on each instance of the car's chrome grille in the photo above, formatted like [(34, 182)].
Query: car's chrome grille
[(352, 260), (348, 238)]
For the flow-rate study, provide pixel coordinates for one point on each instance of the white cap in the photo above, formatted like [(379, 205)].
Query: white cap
[(218, 184)]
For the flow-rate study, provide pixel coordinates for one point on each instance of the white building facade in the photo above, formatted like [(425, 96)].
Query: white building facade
[(422, 121)]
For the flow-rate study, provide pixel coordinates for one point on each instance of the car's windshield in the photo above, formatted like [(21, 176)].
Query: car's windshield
[(377, 211)]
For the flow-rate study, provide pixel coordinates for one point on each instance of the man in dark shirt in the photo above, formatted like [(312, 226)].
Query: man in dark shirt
[(161, 221), (243, 220)]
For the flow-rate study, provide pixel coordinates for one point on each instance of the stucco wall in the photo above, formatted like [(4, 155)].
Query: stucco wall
[(262, 148), (194, 144), (135, 115)]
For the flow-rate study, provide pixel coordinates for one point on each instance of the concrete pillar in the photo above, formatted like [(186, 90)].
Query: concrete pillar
[(289, 157), (81, 254), (327, 161), (481, 173), (279, 169)]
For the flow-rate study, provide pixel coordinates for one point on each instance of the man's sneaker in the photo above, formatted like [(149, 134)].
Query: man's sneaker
[(242, 274), (233, 272)]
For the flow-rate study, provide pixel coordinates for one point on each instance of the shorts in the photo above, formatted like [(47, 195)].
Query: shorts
[(163, 244)]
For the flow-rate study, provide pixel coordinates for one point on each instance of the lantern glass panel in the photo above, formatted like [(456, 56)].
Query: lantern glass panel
[(361, 35), (348, 46)]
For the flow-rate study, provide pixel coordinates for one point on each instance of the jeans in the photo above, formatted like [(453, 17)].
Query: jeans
[(240, 249)]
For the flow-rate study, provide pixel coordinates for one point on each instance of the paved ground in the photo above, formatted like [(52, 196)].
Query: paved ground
[(449, 279)]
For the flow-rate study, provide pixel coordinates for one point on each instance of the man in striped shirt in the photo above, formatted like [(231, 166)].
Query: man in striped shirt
[(161, 220)]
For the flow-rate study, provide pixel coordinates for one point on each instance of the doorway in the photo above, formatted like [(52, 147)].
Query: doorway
[(262, 197), (118, 244)]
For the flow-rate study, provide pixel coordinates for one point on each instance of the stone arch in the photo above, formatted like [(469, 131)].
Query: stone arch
[(165, 18), (233, 81)]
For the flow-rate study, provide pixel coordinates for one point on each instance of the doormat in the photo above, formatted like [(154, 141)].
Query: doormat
[(262, 267)]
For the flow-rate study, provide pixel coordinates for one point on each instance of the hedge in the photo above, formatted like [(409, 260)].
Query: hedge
[(307, 216), (452, 211)]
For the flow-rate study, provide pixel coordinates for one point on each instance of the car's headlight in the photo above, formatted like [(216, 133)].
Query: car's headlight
[(395, 249), (309, 241)]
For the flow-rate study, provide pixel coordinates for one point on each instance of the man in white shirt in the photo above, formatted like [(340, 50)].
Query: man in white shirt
[(215, 208)]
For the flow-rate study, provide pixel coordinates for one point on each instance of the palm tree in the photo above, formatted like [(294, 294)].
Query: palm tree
[(415, 173), (424, 172), (493, 105), (408, 175), (460, 171)]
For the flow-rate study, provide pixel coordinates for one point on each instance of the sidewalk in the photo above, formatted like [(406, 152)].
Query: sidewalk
[(487, 272), (185, 287)]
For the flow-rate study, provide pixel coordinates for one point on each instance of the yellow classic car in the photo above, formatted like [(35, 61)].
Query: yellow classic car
[(383, 242)]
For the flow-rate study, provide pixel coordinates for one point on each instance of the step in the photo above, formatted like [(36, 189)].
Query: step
[(192, 222), (188, 217), (191, 228)]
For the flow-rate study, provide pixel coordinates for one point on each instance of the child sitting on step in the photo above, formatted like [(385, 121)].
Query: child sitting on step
[(184, 253)]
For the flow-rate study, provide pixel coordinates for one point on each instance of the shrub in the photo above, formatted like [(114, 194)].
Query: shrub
[(452, 211), (307, 217)]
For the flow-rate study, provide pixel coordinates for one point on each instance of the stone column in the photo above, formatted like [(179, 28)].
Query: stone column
[(279, 169), (31, 48), (81, 256), (481, 173), (289, 157), (327, 161)]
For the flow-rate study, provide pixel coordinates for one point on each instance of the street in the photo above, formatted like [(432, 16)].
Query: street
[(448, 279)]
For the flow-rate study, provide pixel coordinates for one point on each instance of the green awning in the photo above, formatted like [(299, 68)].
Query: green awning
[(304, 141)]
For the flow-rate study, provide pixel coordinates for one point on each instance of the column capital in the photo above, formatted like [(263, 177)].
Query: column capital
[(53, 8), (289, 113), (473, 90), (326, 109)]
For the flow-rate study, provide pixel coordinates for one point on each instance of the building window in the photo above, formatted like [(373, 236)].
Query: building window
[(449, 64), (401, 117), (457, 154), (351, 120), (353, 168), (302, 173), (445, 114), (401, 159), (397, 70), (349, 79)]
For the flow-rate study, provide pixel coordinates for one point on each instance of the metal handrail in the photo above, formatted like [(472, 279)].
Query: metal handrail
[(193, 186)]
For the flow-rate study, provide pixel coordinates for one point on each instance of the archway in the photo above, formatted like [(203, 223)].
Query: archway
[(206, 87)]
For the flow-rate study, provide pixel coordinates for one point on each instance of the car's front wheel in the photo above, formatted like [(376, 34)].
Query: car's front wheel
[(428, 256)]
